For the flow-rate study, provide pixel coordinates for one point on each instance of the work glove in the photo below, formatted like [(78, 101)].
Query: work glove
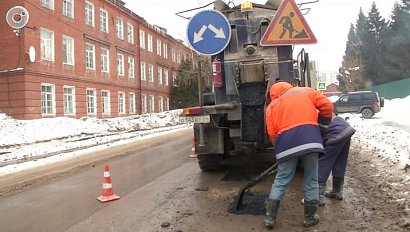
[(323, 123)]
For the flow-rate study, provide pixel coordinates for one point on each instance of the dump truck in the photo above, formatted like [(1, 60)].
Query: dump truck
[(230, 120)]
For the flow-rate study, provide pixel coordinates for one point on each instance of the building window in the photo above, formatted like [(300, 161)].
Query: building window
[(144, 103), (159, 44), (166, 76), (132, 103), (105, 60), (151, 73), (165, 52), (142, 39), (68, 8), (89, 56), (160, 75), (103, 21), (178, 58), (69, 100), (91, 101), (166, 104), (174, 78), (150, 46), (120, 64), (47, 44), (131, 68), (47, 99), (89, 14), (121, 102), (174, 55), (120, 28), (151, 104), (160, 104), (48, 4), (68, 50), (130, 33), (106, 102), (143, 71)]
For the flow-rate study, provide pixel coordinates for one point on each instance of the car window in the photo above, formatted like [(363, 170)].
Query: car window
[(355, 97), (369, 96), (344, 98)]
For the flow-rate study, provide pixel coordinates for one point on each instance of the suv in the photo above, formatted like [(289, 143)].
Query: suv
[(365, 102)]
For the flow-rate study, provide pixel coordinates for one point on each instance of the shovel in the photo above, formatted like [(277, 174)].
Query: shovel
[(253, 182)]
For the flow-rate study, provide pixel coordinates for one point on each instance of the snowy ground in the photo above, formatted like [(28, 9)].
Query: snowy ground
[(30, 143)]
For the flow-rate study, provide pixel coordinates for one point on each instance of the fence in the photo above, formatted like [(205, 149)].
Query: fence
[(396, 89)]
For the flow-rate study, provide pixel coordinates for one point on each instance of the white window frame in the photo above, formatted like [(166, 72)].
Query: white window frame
[(150, 45), (142, 39), (166, 76), (174, 78), (104, 21), (119, 28), (130, 33), (166, 103), (159, 46), (144, 103), (174, 55), (120, 64), (121, 103), (47, 44), (68, 46), (151, 73), (105, 60), (89, 14), (47, 4), (91, 101), (132, 108), (48, 99), (151, 103), (143, 71), (69, 100), (106, 102), (165, 52), (90, 56), (68, 8), (160, 104), (131, 67), (159, 75)]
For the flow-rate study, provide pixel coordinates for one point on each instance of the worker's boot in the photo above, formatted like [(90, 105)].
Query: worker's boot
[(337, 190), (322, 189), (311, 217), (271, 211)]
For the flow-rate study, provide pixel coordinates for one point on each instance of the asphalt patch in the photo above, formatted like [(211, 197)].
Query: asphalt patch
[(251, 204)]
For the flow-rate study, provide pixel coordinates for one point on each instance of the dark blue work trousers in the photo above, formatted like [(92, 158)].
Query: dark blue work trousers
[(334, 160)]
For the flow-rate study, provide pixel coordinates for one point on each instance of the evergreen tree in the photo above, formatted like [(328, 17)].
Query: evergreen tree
[(184, 92), (373, 54), (396, 55)]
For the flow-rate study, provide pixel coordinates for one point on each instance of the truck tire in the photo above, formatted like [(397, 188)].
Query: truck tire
[(367, 113), (209, 162)]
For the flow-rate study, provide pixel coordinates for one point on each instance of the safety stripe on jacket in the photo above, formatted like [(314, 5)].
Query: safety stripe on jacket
[(297, 149)]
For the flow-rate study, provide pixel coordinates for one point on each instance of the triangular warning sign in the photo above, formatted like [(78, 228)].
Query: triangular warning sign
[(288, 27)]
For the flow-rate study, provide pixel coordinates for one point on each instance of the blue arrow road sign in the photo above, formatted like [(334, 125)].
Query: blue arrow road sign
[(208, 32)]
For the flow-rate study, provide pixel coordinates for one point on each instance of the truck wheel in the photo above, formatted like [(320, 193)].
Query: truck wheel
[(209, 162), (367, 113)]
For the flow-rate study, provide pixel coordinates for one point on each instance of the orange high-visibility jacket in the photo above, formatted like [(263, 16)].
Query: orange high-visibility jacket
[(292, 119)]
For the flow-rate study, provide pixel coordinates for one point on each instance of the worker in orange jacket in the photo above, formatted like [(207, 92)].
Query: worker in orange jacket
[(294, 120)]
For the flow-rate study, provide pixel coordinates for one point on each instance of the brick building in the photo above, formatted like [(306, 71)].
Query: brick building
[(94, 58)]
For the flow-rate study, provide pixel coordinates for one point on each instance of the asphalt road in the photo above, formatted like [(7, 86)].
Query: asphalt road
[(162, 189)]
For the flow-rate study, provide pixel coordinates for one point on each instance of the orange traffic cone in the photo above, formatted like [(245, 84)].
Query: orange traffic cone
[(193, 154), (107, 194)]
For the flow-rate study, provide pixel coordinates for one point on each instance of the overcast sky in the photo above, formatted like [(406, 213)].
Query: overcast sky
[(329, 20)]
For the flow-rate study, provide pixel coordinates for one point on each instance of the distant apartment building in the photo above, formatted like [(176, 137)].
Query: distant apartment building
[(93, 58)]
